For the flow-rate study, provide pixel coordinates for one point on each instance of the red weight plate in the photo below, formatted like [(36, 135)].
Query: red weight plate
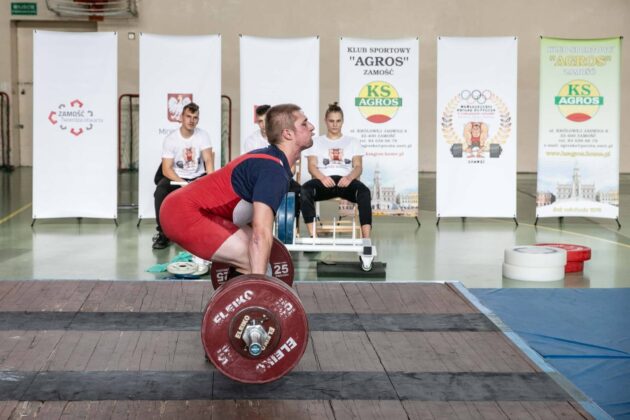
[(254, 295), (281, 262), (575, 253), (279, 258), (574, 267), (219, 273), (253, 321)]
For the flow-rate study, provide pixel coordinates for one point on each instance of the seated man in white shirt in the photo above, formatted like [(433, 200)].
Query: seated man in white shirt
[(257, 139), (335, 162), (186, 156)]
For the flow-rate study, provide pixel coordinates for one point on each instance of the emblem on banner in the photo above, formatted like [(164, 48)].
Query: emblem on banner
[(476, 123), (175, 103), (73, 117), (579, 100), (378, 102)]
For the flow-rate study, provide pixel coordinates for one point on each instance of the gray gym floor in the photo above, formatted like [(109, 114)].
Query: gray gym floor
[(470, 251)]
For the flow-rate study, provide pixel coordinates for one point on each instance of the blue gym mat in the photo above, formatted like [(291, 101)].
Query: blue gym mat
[(583, 333)]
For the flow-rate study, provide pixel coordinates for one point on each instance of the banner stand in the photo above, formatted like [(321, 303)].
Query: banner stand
[(476, 127), (464, 221), (298, 84), (579, 129), (79, 220), (74, 125), (378, 91), (163, 94), (561, 221)]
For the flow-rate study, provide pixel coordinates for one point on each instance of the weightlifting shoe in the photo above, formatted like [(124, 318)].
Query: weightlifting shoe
[(160, 241)]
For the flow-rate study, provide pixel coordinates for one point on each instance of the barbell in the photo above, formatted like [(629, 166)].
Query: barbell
[(254, 327)]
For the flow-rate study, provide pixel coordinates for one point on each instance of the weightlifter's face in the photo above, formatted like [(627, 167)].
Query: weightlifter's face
[(303, 130)]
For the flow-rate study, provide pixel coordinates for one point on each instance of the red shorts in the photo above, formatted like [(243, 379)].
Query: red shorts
[(196, 230)]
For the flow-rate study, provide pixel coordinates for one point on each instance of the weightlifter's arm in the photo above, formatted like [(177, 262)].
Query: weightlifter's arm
[(262, 238)]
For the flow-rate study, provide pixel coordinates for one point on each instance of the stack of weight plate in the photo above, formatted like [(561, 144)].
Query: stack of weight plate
[(576, 256), (534, 263), (189, 270)]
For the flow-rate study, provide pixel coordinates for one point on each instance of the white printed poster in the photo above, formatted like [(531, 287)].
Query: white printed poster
[(174, 71), (378, 92), (276, 71), (74, 125), (578, 140), (476, 127)]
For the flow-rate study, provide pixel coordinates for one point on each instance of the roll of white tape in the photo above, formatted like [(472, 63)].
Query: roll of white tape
[(535, 256), (516, 272), (182, 268), (201, 270)]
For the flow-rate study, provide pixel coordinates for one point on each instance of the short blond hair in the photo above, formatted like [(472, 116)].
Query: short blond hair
[(277, 119)]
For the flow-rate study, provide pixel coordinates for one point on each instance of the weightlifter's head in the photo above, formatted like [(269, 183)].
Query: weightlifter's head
[(287, 123)]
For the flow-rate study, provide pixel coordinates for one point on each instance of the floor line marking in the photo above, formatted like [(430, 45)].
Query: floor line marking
[(15, 213), (577, 234)]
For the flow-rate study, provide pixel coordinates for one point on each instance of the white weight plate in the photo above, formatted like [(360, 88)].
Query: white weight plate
[(201, 270), (182, 268), (516, 272), (535, 256)]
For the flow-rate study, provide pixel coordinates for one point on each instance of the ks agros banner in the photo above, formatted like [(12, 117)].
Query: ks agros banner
[(578, 147), (378, 91)]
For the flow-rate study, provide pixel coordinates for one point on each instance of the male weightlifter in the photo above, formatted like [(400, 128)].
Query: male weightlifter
[(210, 217)]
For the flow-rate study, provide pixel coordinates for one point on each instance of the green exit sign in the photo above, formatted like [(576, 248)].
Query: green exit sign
[(23, 9)]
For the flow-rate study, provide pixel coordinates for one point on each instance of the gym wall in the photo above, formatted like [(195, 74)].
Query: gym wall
[(428, 19)]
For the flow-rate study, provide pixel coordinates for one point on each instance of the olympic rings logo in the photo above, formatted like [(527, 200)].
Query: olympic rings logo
[(475, 96)]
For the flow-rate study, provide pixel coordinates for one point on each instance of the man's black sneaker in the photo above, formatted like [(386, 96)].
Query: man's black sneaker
[(160, 241)]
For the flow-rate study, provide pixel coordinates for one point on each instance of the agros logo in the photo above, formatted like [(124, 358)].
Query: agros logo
[(579, 100), (378, 102)]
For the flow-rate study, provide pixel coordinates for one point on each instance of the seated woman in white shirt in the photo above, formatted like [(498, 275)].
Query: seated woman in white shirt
[(335, 162)]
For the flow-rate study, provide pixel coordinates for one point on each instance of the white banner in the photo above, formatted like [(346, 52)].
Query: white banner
[(74, 124), (476, 127), (276, 71), (378, 92), (578, 140), (175, 70)]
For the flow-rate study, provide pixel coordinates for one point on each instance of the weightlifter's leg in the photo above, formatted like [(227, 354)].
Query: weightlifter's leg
[(206, 235), (234, 250)]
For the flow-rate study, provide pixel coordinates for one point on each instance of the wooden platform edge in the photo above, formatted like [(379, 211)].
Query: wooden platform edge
[(585, 402)]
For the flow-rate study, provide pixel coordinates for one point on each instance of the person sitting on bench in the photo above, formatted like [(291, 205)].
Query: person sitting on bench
[(335, 163), (186, 156)]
